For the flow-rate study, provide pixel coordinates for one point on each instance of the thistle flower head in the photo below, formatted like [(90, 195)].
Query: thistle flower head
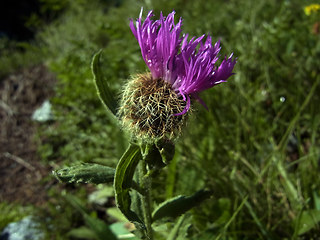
[(179, 70)]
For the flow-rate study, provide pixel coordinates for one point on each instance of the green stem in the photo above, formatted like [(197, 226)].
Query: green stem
[(146, 198), (137, 187), (175, 231)]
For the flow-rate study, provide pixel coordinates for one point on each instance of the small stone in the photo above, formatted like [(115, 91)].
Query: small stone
[(43, 113), (26, 229)]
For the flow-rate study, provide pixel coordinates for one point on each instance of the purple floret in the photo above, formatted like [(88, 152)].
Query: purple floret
[(189, 68)]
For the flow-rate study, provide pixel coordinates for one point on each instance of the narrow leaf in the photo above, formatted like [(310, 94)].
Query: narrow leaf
[(122, 183), (159, 155), (316, 200), (153, 157), (171, 177), (167, 150), (102, 85), (309, 219), (85, 173), (174, 233), (98, 227), (284, 140), (178, 205), (82, 233)]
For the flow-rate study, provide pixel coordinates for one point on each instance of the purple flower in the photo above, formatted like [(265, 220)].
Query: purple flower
[(189, 68)]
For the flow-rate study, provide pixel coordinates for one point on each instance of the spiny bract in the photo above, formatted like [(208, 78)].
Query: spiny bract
[(148, 108)]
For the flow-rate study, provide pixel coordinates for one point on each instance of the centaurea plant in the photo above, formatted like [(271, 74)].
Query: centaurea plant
[(153, 108)]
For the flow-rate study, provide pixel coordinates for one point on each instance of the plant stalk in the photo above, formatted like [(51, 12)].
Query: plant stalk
[(146, 198)]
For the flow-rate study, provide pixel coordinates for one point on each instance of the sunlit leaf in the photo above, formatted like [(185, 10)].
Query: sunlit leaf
[(115, 213), (308, 220), (121, 231), (82, 233)]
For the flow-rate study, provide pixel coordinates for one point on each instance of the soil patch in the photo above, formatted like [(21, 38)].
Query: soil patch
[(21, 172)]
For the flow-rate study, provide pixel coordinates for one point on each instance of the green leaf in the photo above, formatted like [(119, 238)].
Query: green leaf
[(167, 150), (308, 220), (171, 176), (121, 231), (102, 86), (98, 227), (82, 232), (86, 173), (153, 157), (223, 209), (101, 195), (159, 155), (122, 183), (316, 200), (179, 230), (115, 213), (178, 205), (208, 234)]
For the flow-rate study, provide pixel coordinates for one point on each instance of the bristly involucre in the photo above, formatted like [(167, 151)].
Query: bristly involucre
[(148, 107)]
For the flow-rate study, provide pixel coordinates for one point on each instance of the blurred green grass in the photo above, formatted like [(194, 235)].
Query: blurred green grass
[(257, 147)]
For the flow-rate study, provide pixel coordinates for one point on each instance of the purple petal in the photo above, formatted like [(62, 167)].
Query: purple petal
[(159, 42), (190, 66), (195, 96), (224, 71)]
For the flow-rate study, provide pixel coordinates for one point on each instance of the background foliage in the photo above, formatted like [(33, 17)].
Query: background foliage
[(257, 147)]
